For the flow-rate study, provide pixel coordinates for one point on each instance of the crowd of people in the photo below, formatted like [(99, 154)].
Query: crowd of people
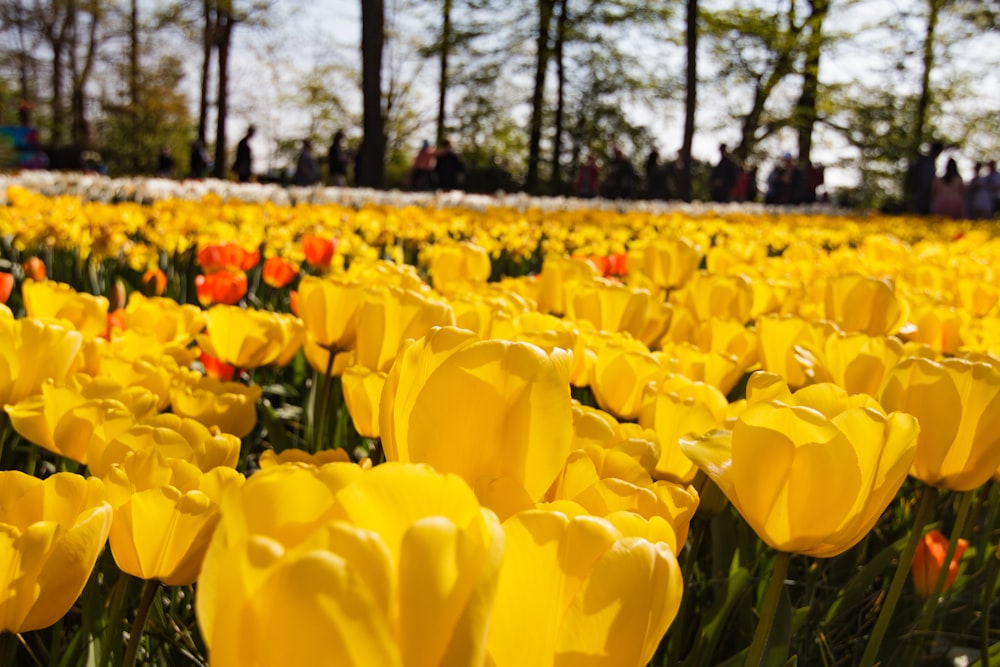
[(790, 182)]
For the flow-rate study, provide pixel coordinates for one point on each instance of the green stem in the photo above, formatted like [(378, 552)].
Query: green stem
[(988, 588), (926, 618), (4, 432), (927, 497), (755, 656), (139, 624)]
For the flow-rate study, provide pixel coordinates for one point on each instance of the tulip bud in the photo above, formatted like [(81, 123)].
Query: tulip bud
[(928, 560)]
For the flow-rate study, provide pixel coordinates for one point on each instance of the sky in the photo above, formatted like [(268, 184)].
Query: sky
[(305, 34)]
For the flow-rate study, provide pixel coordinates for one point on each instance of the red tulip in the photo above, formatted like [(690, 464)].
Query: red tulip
[(278, 272), (226, 287), (319, 250), (222, 256), (929, 559), (117, 321), (220, 370), (6, 286)]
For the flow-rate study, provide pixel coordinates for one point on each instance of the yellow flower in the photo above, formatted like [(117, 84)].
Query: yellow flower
[(669, 263), (482, 409), (31, 352), (174, 437), (329, 309), (53, 531), (250, 338), (66, 419), (680, 406), (362, 393), (269, 459), (52, 300), (607, 305), (230, 406), (456, 263), (958, 405), (389, 316), (727, 297), (164, 319), (621, 375), (778, 338), (165, 510), (863, 304), (392, 566), (811, 472), (857, 362), (592, 591), (556, 272)]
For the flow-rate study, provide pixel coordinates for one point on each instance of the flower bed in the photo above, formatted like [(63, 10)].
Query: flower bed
[(328, 426)]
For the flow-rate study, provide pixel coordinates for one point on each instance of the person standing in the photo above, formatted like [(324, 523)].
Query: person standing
[(723, 176), (198, 162), (306, 168), (948, 193), (588, 178), (449, 168), (422, 176), (165, 163), (243, 166), (337, 160)]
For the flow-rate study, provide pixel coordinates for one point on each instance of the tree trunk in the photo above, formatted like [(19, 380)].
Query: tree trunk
[(924, 100), (133, 55), (446, 40), (223, 37), (690, 96), (805, 109), (81, 77), (207, 42), (545, 8), (557, 140), (373, 148)]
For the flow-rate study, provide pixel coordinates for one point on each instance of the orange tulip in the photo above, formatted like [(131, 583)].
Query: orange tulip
[(155, 282), (220, 370), (929, 559), (225, 287), (6, 286), (227, 256), (278, 272), (34, 268), (318, 250)]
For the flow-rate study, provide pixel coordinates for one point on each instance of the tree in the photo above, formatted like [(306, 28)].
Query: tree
[(373, 148), (804, 115), (690, 96)]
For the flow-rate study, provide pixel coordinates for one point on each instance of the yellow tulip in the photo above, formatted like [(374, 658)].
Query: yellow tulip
[(717, 369), (811, 472), (857, 362), (248, 338), (778, 338), (269, 458), (165, 510), (592, 591), (155, 373), (53, 531), (388, 317), (174, 437), (334, 565), (669, 263), (65, 420), (482, 409), (958, 405), (455, 263), (230, 406), (52, 300), (939, 327), (681, 406), (621, 376), (728, 297), (32, 352), (604, 481), (556, 272), (164, 319), (329, 310), (362, 393), (607, 305), (865, 305)]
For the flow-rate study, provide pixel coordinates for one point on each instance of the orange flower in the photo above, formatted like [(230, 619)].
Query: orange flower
[(617, 265), (223, 256), (226, 287), (278, 272), (116, 322), (318, 250), (155, 282), (34, 268), (6, 286), (929, 559)]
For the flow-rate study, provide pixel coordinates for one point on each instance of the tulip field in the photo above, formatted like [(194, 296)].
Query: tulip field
[(338, 428)]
